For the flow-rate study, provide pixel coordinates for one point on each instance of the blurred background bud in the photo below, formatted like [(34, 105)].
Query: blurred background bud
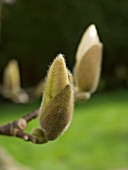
[(7, 1), (88, 61), (39, 89), (11, 77), (12, 83)]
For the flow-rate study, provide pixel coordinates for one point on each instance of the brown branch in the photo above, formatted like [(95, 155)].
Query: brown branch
[(30, 116), (16, 127)]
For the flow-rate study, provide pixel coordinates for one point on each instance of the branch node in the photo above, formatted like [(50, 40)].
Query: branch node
[(22, 124)]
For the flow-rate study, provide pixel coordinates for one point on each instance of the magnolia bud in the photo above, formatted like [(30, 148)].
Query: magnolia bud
[(12, 85), (11, 78), (88, 61), (38, 89), (39, 135), (58, 100)]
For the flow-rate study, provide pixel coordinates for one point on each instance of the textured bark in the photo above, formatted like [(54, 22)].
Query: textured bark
[(16, 128)]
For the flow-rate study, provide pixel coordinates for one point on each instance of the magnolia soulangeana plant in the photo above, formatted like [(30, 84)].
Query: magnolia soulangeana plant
[(57, 106), (88, 63), (56, 110)]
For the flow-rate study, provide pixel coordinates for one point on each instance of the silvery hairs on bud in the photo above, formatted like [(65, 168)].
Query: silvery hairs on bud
[(58, 100)]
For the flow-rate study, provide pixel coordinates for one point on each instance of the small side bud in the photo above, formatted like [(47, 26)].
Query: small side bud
[(58, 100), (39, 135), (88, 62)]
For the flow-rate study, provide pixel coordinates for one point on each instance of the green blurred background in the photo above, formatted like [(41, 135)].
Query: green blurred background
[(35, 31)]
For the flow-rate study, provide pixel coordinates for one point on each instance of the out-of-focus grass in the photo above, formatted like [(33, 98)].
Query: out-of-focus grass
[(97, 138)]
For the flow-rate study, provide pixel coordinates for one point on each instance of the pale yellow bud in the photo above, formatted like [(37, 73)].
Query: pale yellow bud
[(11, 78), (88, 61), (39, 88), (56, 79), (58, 100)]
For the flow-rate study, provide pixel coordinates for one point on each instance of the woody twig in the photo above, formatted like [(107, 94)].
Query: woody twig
[(16, 128)]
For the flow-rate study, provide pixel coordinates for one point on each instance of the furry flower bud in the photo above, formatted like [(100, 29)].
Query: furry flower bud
[(57, 106), (88, 61)]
